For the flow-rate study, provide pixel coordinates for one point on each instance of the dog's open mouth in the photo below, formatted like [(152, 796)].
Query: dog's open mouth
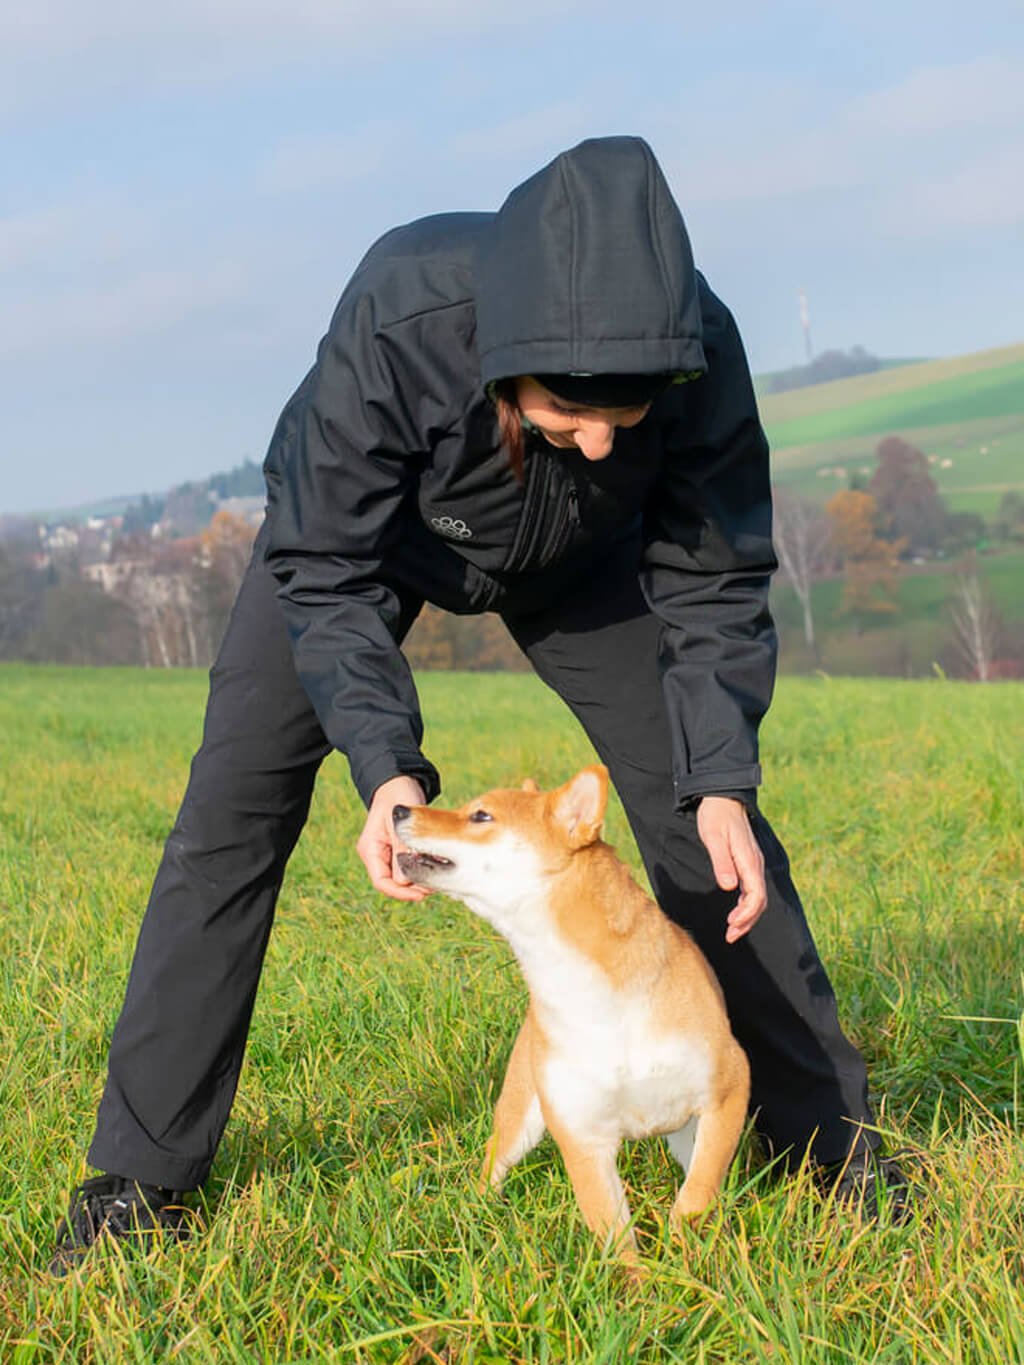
[(418, 863)]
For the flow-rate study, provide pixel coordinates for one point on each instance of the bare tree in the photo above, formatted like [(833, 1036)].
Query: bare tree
[(976, 622), (802, 535)]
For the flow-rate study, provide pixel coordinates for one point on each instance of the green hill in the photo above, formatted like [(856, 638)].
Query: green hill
[(966, 413)]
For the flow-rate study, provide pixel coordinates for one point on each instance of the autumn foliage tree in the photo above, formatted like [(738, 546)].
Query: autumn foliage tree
[(909, 507), (870, 562), (181, 591), (222, 557), (441, 640)]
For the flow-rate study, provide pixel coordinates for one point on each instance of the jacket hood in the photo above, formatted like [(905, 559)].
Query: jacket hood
[(587, 268)]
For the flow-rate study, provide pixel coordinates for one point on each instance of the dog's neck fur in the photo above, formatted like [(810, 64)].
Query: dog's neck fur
[(557, 926)]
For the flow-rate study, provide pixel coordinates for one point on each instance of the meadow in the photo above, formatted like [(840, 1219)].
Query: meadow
[(966, 413), (342, 1221)]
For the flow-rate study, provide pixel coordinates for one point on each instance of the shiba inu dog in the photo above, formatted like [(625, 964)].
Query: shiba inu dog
[(626, 1034)]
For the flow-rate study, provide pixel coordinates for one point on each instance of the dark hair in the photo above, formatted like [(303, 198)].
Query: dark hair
[(510, 423)]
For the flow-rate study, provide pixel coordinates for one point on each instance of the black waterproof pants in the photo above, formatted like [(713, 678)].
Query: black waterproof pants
[(177, 1049)]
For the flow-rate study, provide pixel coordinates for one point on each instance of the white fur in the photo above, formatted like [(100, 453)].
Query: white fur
[(609, 1072)]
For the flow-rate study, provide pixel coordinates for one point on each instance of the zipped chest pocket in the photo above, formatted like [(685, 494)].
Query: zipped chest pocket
[(550, 514), (568, 520)]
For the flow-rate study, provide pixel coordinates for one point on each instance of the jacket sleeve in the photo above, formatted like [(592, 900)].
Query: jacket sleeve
[(706, 567), (341, 466)]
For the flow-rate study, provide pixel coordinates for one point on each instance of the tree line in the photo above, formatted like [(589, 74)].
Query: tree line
[(164, 603), (154, 601)]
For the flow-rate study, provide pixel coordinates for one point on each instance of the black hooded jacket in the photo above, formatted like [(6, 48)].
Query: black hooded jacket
[(386, 466)]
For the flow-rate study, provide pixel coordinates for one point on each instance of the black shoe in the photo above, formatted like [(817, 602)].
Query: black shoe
[(117, 1207), (874, 1185)]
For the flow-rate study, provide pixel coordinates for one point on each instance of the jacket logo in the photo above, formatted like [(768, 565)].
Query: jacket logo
[(454, 529)]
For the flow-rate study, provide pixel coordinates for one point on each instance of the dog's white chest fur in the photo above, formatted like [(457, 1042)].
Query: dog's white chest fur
[(608, 1068)]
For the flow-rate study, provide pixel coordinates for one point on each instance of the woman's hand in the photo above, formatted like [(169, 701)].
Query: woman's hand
[(378, 843), (736, 859)]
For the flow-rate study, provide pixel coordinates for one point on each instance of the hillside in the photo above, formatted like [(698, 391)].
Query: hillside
[(966, 412)]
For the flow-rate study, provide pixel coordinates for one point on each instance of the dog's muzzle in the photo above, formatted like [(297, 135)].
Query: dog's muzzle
[(413, 863)]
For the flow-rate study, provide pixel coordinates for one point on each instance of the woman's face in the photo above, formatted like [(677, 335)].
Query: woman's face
[(590, 430)]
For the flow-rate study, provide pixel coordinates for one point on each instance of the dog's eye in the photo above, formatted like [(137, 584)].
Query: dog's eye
[(480, 816)]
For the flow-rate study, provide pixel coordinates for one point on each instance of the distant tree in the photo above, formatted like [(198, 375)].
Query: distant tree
[(1009, 520), (21, 596), (803, 541), (79, 624), (870, 562), (909, 506), (223, 554), (977, 625), (187, 509), (19, 534), (964, 531), (140, 516), (244, 481), (824, 368), (440, 640)]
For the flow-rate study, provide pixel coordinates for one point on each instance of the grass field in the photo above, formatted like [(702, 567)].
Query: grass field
[(820, 399), (341, 1222), (986, 393), (973, 463)]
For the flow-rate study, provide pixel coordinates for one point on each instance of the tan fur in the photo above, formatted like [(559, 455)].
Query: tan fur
[(626, 1033)]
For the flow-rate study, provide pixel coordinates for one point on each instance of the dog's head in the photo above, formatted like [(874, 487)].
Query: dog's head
[(498, 849)]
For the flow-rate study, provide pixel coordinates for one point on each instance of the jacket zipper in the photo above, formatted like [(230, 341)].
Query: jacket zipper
[(533, 496), (544, 530), (568, 522)]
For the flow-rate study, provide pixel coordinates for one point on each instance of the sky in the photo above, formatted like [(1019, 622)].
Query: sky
[(185, 189)]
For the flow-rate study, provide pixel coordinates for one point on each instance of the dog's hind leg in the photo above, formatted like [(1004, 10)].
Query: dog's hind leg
[(718, 1135), (518, 1121)]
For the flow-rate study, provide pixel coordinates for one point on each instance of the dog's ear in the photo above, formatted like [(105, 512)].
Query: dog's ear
[(579, 806), (529, 785)]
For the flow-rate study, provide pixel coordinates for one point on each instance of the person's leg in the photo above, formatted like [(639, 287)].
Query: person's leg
[(597, 647), (177, 1049)]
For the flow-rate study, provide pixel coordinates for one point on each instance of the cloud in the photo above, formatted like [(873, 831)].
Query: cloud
[(83, 229), (137, 306), (29, 238), (987, 193), (930, 155), (985, 92), (57, 51), (319, 160)]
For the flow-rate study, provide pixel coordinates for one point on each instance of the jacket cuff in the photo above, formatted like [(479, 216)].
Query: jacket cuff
[(747, 796), (380, 770), (737, 782)]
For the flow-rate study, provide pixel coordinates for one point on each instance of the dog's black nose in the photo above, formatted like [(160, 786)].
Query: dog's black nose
[(399, 813)]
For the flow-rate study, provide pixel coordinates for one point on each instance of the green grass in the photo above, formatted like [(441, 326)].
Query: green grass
[(991, 393), (341, 1220), (973, 463), (797, 404)]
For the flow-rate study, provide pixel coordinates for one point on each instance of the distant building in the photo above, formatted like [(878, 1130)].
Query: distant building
[(112, 574)]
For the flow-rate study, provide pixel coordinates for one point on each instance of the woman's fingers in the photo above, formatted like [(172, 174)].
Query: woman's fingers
[(378, 845), (736, 860)]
